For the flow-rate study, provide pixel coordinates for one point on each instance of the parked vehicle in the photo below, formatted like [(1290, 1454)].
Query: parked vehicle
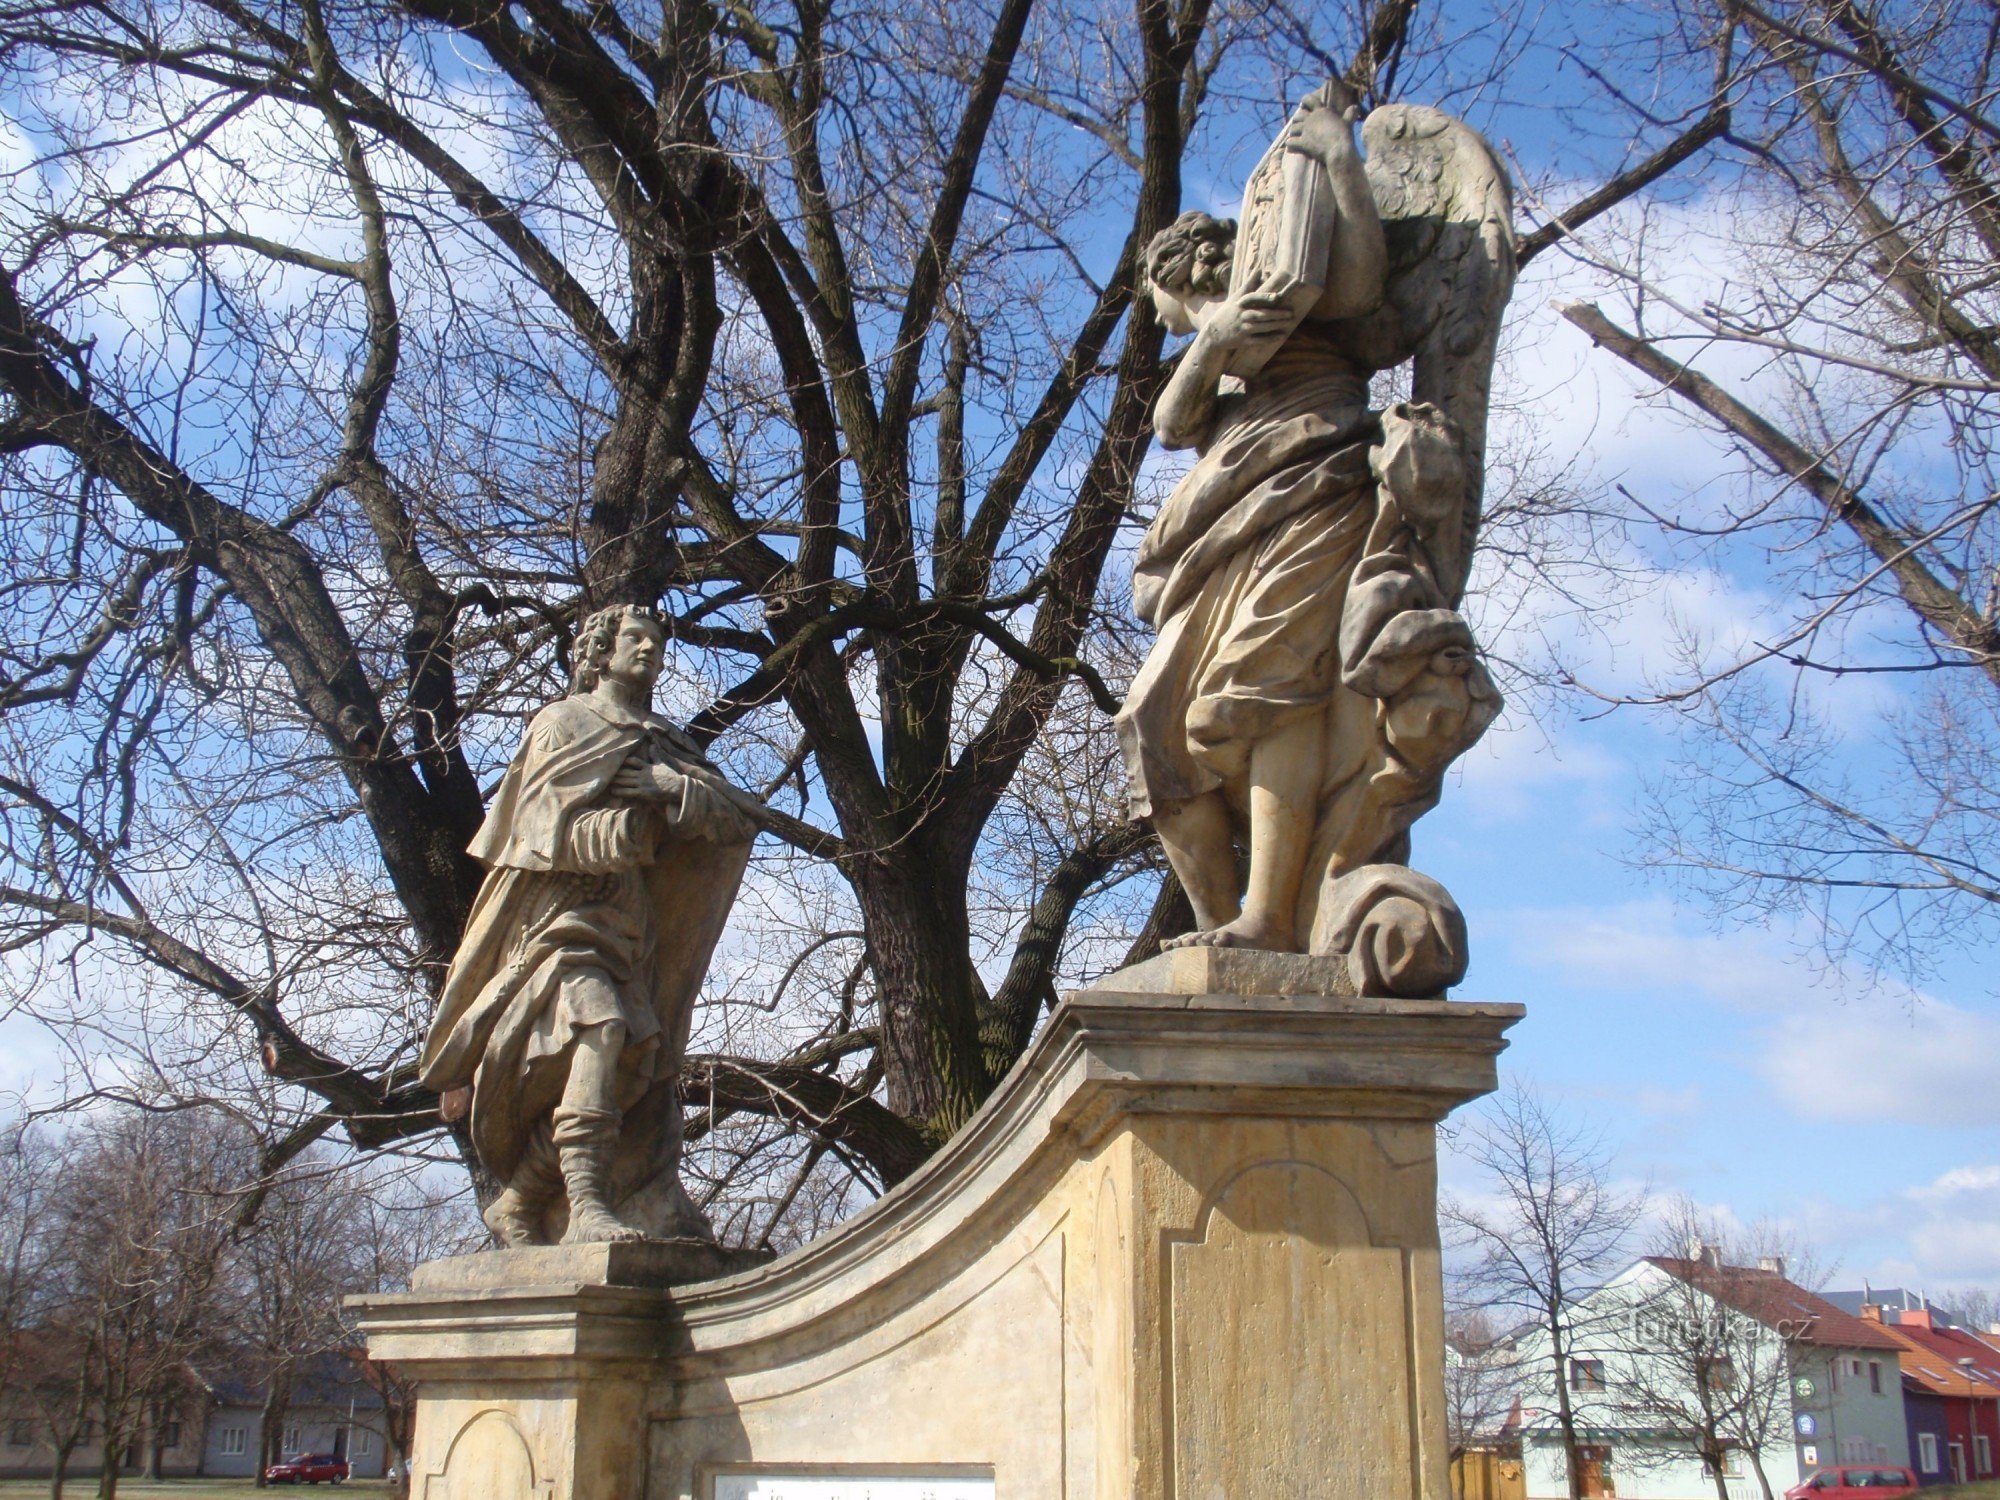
[(308, 1468), (1855, 1482)]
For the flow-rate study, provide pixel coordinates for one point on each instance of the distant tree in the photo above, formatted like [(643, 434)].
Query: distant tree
[(30, 1172), (289, 1268), (138, 1231), (1701, 1363), (403, 1220), (1480, 1380), (1544, 1226), (1976, 1308)]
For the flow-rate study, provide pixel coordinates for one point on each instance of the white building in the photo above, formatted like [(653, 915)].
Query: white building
[(1810, 1384)]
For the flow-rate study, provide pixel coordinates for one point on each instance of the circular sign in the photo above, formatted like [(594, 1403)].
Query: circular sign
[(1804, 1389), (1807, 1424)]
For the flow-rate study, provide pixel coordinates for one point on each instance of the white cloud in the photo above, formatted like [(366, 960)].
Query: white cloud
[(1931, 1063), (1512, 773), (1847, 1045), (1641, 945), (1947, 1232), (1958, 1182)]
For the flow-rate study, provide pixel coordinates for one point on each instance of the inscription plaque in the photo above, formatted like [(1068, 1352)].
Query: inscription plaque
[(828, 1486)]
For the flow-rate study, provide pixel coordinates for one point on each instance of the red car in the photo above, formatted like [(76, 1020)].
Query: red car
[(1855, 1482), (308, 1468)]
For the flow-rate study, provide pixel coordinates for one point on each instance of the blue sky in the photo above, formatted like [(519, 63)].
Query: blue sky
[(1717, 1059)]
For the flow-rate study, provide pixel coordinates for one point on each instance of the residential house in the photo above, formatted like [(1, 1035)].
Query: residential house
[(1825, 1386), (1951, 1394), (1888, 1298), (40, 1389), (217, 1429), (333, 1410)]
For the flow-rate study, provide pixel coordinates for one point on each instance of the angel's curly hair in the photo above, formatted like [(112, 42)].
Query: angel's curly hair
[(1174, 259), (596, 637)]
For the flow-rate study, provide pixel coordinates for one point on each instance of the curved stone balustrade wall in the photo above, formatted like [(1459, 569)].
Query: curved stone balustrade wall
[(1188, 1249)]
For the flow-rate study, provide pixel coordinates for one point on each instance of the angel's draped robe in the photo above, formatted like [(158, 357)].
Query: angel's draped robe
[(1282, 584), (581, 884)]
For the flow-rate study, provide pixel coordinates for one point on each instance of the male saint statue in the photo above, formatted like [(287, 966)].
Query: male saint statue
[(613, 853)]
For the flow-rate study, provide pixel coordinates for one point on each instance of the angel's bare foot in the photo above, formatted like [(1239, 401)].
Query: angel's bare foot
[(515, 1218), (594, 1224), (1247, 931)]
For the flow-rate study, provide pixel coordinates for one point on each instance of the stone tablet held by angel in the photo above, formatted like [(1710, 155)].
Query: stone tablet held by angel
[(1313, 677)]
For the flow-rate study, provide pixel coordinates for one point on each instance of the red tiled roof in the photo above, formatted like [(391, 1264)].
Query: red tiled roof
[(1777, 1303), (1931, 1358)]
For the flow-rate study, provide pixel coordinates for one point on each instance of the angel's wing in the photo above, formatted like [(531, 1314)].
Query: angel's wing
[(1447, 211)]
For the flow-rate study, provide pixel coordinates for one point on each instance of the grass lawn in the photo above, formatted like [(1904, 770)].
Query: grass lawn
[(185, 1489), (1990, 1490)]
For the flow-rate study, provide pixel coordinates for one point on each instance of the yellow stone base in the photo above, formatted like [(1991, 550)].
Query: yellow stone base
[(1189, 1250)]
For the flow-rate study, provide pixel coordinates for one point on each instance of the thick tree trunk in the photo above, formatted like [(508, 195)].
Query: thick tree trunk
[(1566, 1420), (111, 1455), (156, 1424), (1715, 1461), (277, 1402), (919, 935), (59, 1475)]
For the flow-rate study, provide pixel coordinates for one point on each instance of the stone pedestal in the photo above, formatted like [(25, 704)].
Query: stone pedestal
[(1189, 1249)]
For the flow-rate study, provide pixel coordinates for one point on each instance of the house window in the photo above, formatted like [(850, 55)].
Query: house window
[(1958, 1475), (364, 1443), (292, 1443), (1982, 1453), (170, 1435), (20, 1434), (1586, 1374), (1875, 1376), (1854, 1367), (1927, 1452), (233, 1440)]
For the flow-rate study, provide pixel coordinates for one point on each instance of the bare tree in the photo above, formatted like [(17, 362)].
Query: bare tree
[(290, 1267), (1827, 310), (1708, 1360), (1975, 1308), (533, 384), (814, 322), (137, 1233), (30, 1171), (1545, 1227), (1479, 1380), (403, 1219)]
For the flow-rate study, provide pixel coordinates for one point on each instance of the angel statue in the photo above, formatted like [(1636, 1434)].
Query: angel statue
[(613, 853), (1312, 677)]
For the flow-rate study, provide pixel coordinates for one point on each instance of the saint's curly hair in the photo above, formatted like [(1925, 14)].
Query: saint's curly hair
[(1174, 257), (594, 641)]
